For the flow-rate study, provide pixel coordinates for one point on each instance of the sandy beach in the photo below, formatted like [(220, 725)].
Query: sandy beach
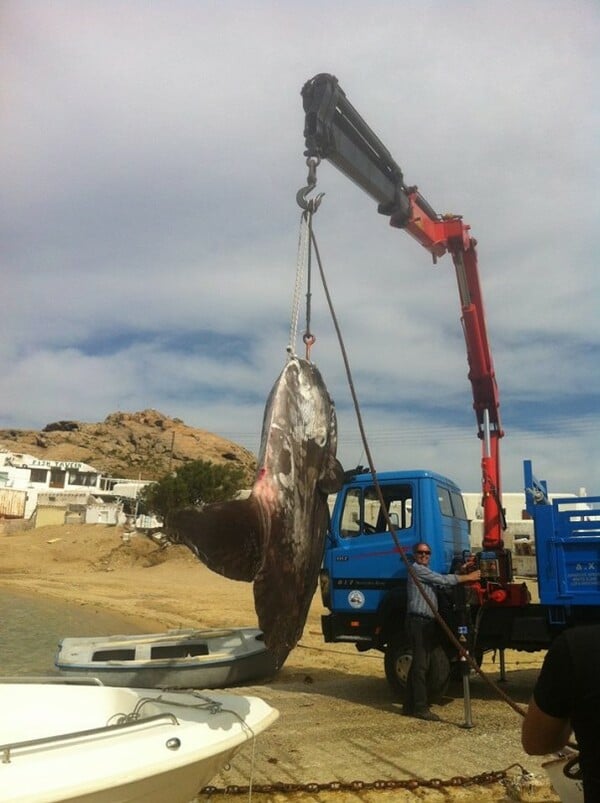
[(338, 720)]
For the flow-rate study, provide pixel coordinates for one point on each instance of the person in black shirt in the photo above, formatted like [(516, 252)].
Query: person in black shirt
[(566, 697)]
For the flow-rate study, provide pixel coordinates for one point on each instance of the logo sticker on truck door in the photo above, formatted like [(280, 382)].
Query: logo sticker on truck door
[(356, 599)]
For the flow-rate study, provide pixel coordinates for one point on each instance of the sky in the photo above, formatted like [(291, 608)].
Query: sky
[(151, 155)]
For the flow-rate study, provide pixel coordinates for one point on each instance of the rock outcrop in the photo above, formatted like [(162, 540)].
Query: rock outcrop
[(143, 445)]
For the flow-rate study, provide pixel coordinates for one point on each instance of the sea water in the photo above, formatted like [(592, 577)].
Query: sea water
[(31, 627)]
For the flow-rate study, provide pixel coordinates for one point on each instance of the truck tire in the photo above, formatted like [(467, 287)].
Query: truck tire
[(397, 659), (396, 662)]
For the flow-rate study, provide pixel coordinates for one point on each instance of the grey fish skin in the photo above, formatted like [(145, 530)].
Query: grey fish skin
[(276, 537)]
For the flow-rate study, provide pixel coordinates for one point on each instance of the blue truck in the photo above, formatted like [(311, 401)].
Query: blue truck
[(363, 578)]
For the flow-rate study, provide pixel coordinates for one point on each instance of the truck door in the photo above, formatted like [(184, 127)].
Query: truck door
[(362, 557), (454, 528)]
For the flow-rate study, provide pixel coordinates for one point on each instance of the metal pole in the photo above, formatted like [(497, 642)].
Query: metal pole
[(502, 666), (465, 671), (171, 453), (486, 432)]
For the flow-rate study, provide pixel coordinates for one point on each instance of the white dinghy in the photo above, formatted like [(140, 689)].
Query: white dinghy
[(66, 742), (176, 659)]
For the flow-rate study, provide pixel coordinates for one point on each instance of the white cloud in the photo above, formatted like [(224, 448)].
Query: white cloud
[(151, 156)]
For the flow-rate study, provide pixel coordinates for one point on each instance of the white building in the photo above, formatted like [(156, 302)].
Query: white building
[(23, 478)]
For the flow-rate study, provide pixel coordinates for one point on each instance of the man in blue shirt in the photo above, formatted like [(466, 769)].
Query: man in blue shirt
[(422, 627)]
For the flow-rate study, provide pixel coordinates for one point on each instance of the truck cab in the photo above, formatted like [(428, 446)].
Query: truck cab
[(363, 579)]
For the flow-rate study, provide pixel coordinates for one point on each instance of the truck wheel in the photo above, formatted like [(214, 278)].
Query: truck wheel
[(397, 661)]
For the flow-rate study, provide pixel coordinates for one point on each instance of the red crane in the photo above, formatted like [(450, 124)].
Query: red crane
[(335, 131)]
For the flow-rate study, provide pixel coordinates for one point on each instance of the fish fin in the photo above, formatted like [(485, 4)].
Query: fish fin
[(226, 536), (332, 477)]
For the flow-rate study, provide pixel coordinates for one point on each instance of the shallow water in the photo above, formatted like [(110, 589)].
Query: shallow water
[(32, 626)]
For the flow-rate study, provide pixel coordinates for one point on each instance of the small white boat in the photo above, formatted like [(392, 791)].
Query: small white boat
[(88, 743), (176, 659)]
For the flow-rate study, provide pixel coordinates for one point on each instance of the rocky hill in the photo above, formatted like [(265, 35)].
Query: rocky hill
[(142, 445)]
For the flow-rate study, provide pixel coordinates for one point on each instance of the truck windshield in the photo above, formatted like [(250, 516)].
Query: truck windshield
[(363, 514)]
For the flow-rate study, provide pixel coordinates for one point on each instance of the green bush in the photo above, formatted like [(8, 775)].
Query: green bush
[(197, 483)]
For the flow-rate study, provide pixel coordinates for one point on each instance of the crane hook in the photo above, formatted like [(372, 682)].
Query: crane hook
[(310, 205)]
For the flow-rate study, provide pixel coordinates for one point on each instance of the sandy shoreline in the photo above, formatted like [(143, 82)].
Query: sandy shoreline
[(338, 719)]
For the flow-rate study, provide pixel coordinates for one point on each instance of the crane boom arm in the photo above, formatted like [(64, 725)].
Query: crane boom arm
[(335, 131)]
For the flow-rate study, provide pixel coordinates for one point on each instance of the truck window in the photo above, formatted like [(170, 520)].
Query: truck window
[(362, 513), (458, 505), (451, 503), (350, 521), (445, 501)]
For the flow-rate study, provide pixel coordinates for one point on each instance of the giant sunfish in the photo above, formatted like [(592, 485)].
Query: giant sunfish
[(276, 536)]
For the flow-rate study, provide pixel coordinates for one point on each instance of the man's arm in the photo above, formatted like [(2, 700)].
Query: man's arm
[(541, 733), (428, 576), (547, 725), (471, 577)]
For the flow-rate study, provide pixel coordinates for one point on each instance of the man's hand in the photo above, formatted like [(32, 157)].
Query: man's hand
[(471, 577)]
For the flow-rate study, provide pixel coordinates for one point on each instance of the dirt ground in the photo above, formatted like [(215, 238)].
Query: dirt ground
[(338, 720)]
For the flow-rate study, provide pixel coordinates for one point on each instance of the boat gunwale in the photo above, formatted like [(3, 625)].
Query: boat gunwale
[(184, 635), (6, 749)]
